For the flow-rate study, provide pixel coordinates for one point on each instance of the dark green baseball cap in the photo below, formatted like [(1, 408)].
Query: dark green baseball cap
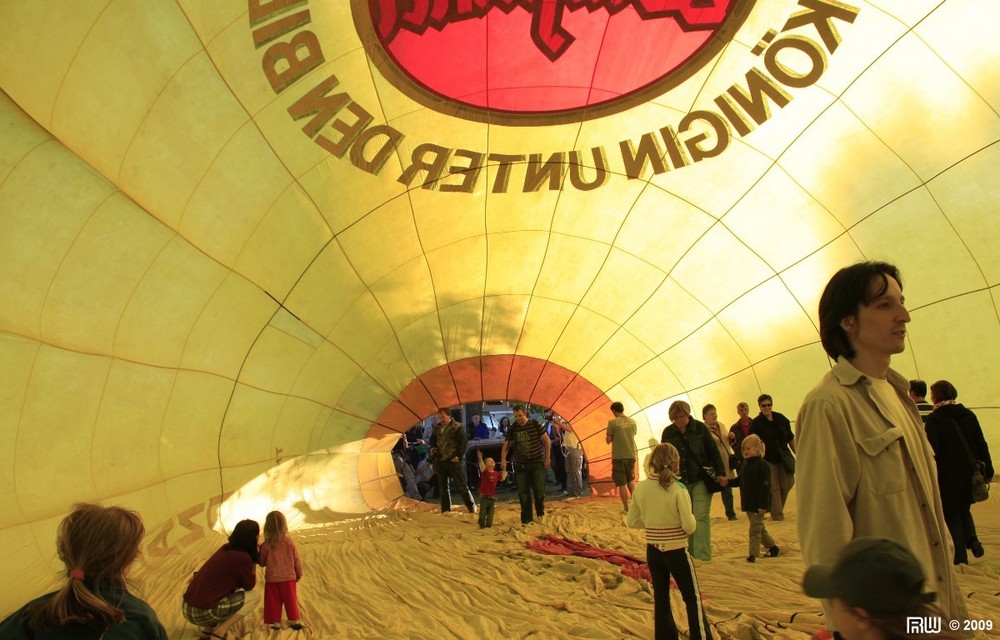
[(876, 574)]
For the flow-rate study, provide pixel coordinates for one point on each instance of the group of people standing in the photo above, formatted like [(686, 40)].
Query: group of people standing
[(526, 438), (711, 461), (880, 494), (533, 448)]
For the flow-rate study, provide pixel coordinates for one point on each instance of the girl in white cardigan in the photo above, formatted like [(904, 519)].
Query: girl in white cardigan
[(662, 506)]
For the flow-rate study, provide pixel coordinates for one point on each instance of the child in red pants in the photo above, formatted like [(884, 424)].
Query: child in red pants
[(282, 570)]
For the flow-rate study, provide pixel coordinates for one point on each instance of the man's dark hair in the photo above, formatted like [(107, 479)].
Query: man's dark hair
[(918, 388), (943, 390), (762, 397), (617, 407), (519, 407), (847, 290)]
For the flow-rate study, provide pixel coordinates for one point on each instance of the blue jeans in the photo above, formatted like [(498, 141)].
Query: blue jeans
[(700, 542), (530, 480)]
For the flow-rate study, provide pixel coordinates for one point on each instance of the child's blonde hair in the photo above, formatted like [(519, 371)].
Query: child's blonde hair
[(754, 441), (275, 528), (665, 462)]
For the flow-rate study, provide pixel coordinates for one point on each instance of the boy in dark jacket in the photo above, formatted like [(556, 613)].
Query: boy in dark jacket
[(755, 495)]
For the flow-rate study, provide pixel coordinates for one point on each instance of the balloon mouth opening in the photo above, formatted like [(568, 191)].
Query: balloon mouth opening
[(476, 379)]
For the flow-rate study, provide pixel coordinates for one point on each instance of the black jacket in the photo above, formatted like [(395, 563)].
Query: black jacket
[(775, 434), (701, 444), (755, 485), (953, 467)]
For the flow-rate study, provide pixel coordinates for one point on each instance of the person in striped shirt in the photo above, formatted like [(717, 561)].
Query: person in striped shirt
[(662, 506)]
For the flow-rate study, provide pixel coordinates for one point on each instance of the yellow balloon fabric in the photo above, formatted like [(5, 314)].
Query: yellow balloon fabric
[(244, 245)]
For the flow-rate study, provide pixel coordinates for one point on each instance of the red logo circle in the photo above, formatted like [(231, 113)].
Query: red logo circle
[(542, 61)]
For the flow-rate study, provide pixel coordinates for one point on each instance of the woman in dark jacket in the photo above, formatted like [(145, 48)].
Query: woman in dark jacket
[(697, 448), (221, 592), (954, 468)]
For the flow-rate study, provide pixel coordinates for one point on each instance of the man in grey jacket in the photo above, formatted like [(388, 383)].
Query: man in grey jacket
[(864, 465)]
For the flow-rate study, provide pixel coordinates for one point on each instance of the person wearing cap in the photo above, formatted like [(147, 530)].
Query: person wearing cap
[(875, 585), (864, 465)]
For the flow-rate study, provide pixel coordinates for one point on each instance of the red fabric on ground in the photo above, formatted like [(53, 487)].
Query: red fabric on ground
[(631, 566)]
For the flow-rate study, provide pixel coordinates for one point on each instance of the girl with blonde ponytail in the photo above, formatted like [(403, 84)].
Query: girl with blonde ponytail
[(665, 465), (662, 506), (97, 544)]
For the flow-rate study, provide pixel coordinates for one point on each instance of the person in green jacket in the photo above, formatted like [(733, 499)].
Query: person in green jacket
[(97, 544)]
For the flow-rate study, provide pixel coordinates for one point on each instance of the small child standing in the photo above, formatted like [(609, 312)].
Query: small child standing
[(282, 570), (488, 489), (755, 495), (662, 506)]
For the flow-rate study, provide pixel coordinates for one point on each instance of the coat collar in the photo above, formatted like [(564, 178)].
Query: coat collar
[(848, 375)]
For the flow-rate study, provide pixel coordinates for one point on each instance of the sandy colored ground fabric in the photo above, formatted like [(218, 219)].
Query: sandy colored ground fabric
[(415, 573)]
